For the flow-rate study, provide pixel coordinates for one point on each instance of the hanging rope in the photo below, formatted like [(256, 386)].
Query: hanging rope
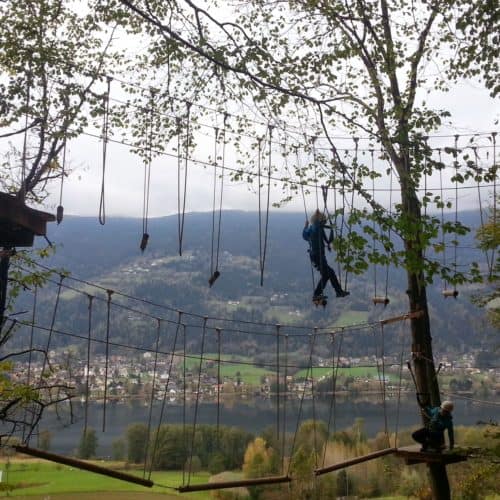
[(332, 414), (479, 176), (312, 340), (106, 365), (60, 208), (87, 376), (263, 244), (165, 392), (197, 400), (401, 360), (285, 397), (153, 387), (337, 234), (218, 332), (25, 135), (184, 429), (52, 323), (30, 355), (443, 238), (105, 139), (349, 221), (381, 373), (212, 250), (495, 220), (313, 146), (147, 175), (305, 213), (182, 212), (214, 270), (278, 383)]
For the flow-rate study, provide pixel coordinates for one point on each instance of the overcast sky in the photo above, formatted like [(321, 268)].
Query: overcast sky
[(473, 111)]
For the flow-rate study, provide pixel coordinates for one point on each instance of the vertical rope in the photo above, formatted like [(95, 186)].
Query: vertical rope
[(165, 393), (389, 236), (332, 414), (218, 331), (401, 358), (197, 400), (313, 146), (181, 216), (150, 416), (285, 397), (455, 240), (381, 373), (259, 191), (278, 383), (315, 437), (105, 138), (184, 430), (372, 151), (216, 137), (349, 223), (305, 212), (24, 154), (60, 208), (266, 227), (223, 163), (30, 355), (495, 221), (479, 176), (108, 320), (147, 175), (87, 377), (301, 404), (52, 323), (443, 238)]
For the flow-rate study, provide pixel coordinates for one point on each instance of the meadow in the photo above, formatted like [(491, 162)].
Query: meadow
[(38, 479)]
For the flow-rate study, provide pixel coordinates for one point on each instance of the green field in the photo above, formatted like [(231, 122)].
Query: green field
[(31, 478), (317, 373), (249, 374), (349, 318)]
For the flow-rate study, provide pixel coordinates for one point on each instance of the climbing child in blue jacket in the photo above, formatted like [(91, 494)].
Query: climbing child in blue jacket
[(314, 233), (439, 418)]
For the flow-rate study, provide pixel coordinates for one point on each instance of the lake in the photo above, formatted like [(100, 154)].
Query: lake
[(253, 415)]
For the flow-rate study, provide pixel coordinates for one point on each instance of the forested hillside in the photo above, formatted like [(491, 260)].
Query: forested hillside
[(110, 255)]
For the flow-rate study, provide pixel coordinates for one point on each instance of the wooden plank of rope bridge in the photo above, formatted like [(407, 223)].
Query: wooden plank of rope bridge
[(412, 455), (395, 319), (234, 484), (80, 464), (354, 461)]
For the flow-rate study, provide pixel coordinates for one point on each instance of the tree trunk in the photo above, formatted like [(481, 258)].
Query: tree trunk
[(425, 371), (4, 275)]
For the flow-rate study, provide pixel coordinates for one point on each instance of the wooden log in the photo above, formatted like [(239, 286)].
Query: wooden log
[(80, 464), (403, 317), (381, 300), (234, 484), (354, 461), (450, 293)]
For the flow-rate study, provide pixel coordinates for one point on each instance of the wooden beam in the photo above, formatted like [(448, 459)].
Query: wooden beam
[(354, 461), (402, 317), (234, 484), (80, 464)]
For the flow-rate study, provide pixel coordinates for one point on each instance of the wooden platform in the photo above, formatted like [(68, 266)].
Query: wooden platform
[(19, 224), (412, 456)]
